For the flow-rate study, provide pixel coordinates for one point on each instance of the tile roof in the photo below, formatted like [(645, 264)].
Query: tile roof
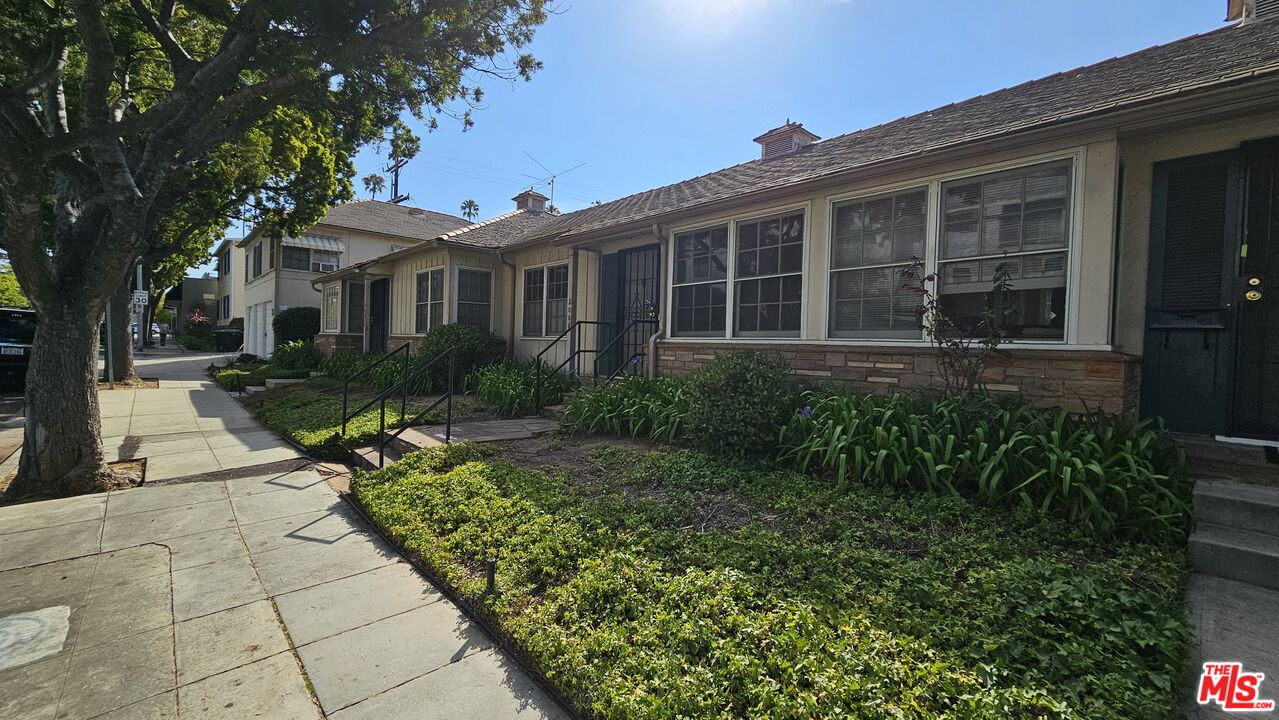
[(391, 219), (1230, 54)]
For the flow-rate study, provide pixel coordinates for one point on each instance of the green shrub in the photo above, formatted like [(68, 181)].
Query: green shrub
[(738, 402), (297, 355), (643, 595), (474, 349), (239, 376), (296, 323), (1105, 473), (510, 389), (634, 407)]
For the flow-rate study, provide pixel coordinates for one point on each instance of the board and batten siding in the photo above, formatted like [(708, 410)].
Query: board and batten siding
[(404, 287), (538, 256)]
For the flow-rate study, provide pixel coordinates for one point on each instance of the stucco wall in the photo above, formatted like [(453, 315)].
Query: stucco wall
[(1139, 152)]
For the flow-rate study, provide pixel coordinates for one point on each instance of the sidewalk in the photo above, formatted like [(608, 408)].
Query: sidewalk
[(183, 600)]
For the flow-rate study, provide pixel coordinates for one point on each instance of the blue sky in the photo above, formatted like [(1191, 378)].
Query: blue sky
[(650, 92)]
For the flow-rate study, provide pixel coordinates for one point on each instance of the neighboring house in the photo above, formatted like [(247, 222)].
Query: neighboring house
[(229, 262), (1136, 202), (189, 293), (278, 273)]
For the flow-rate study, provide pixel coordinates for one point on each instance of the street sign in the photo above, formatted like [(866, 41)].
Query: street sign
[(139, 297)]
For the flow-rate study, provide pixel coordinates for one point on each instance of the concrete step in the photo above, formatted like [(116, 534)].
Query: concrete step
[(250, 389), (272, 383), (1242, 506), (1241, 555), (366, 457), (416, 438), (553, 412), (1209, 458)]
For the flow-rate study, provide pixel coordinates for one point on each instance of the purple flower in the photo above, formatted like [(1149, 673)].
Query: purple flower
[(805, 411), (636, 360)]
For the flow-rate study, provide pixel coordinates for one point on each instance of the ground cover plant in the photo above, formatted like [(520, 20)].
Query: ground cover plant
[(237, 376), (310, 414), (680, 584)]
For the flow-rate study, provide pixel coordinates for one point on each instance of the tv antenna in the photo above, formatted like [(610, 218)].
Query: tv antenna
[(394, 168), (551, 175)]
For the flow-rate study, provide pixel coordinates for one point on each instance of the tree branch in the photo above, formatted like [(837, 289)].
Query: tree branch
[(179, 58)]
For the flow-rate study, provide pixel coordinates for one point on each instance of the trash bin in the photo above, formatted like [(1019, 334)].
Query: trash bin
[(228, 339)]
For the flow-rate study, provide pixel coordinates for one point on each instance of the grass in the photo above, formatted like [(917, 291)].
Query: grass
[(674, 584)]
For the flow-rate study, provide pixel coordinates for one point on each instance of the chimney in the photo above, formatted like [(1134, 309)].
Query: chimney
[(1251, 10), (785, 139), (530, 200)]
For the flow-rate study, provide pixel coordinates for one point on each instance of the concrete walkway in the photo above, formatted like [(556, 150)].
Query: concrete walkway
[(226, 598)]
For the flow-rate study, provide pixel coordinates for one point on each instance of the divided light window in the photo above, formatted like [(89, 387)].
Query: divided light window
[(545, 301), (332, 308), (701, 281), (429, 301), (873, 240), (769, 280), (1019, 218), (475, 298)]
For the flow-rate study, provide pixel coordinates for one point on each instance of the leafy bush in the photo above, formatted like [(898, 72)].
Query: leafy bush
[(635, 407), (510, 389), (296, 323), (475, 349), (297, 355), (1109, 474), (313, 418), (777, 594), (737, 403)]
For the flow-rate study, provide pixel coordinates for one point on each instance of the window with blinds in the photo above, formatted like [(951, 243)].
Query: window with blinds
[(1020, 220), (475, 298), (768, 276), (873, 240), (429, 301)]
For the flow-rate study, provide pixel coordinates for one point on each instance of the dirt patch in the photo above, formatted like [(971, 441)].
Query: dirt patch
[(557, 452), (132, 472), (138, 384)]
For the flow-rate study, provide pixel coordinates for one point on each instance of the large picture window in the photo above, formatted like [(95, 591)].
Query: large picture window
[(1019, 219), (475, 298), (429, 301), (872, 240), (545, 301), (701, 281), (769, 280)]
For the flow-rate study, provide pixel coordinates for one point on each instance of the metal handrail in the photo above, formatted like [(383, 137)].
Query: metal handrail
[(621, 368), (403, 387), (537, 360), (346, 384), (616, 338)]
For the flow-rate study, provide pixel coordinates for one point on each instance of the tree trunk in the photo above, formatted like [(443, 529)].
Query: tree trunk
[(62, 447), (122, 369)]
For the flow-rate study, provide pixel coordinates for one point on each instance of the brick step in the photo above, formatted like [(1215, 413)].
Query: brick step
[(1248, 557), (1242, 506)]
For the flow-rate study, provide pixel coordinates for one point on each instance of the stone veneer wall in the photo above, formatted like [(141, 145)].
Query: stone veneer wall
[(1077, 380), (330, 343)]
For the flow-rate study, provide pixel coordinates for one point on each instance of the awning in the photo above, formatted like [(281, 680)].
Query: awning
[(315, 242)]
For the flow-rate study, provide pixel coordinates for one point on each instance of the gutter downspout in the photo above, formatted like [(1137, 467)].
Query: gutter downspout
[(663, 255), (510, 318)]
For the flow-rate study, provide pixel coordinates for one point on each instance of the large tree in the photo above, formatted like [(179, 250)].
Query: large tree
[(106, 104)]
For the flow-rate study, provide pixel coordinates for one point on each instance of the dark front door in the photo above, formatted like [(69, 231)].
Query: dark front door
[(630, 300), (1211, 362), (379, 314), (1256, 293)]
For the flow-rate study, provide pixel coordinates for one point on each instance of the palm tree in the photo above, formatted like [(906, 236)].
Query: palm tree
[(374, 184), (470, 209), (552, 210)]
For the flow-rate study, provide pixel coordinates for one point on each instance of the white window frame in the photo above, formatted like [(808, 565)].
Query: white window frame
[(545, 268), (456, 283), (430, 286), (730, 299), (932, 242), (332, 320), (319, 266)]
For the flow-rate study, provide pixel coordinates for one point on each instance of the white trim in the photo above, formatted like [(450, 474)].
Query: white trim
[(442, 270), (850, 343), (454, 281), (519, 293)]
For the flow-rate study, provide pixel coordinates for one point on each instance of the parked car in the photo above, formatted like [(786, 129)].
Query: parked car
[(17, 333)]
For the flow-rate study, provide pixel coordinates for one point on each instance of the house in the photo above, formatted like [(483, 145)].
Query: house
[(1133, 201), (228, 262), (278, 273), (189, 294)]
